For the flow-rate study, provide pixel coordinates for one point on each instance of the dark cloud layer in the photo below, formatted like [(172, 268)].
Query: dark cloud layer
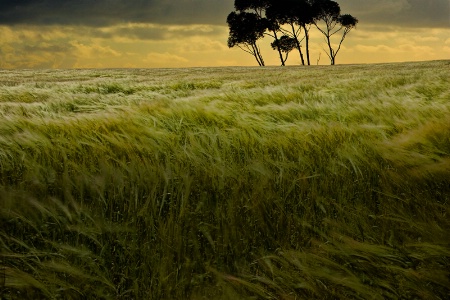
[(413, 13), (110, 12)]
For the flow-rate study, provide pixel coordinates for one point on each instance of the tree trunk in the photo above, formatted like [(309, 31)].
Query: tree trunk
[(278, 47), (307, 43), (298, 44), (255, 54), (331, 50), (258, 53)]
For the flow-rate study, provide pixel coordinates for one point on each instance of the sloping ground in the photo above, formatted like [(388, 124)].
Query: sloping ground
[(226, 183)]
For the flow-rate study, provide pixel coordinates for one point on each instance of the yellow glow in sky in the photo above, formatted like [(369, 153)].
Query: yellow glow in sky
[(199, 40), (78, 47)]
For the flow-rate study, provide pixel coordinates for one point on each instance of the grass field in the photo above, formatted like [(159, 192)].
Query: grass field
[(226, 183)]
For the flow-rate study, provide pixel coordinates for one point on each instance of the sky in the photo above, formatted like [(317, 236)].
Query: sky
[(193, 33)]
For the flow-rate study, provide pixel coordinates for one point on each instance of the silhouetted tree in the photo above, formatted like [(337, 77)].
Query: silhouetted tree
[(286, 44), (297, 15), (305, 18), (329, 12), (245, 29), (255, 18), (260, 7)]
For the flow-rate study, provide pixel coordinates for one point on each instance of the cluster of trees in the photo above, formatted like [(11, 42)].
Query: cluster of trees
[(288, 23)]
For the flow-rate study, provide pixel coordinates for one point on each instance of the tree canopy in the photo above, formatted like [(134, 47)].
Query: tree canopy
[(245, 29), (329, 21), (292, 20)]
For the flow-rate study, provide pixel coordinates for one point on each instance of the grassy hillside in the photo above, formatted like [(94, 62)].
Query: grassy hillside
[(226, 183)]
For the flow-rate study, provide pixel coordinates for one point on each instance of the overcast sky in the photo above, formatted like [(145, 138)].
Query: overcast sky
[(183, 33)]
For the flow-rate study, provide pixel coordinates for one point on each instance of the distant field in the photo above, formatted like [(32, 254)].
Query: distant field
[(226, 183)]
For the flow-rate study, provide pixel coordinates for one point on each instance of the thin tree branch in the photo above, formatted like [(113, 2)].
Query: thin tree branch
[(337, 30), (342, 40), (320, 29), (243, 49), (286, 32), (268, 34)]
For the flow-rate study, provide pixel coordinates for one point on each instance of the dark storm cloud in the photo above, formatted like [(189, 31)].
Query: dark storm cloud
[(110, 12), (411, 13)]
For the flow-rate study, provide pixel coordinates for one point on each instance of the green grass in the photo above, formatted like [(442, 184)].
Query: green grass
[(226, 183)]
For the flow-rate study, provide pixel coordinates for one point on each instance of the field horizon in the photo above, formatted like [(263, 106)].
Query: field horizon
[(319, 182), (236, 66)]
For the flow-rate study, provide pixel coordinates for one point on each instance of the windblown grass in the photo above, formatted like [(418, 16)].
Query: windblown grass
[(226, 183)]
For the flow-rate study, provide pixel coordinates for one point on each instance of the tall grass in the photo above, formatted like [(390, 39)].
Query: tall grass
[(226, 183)]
